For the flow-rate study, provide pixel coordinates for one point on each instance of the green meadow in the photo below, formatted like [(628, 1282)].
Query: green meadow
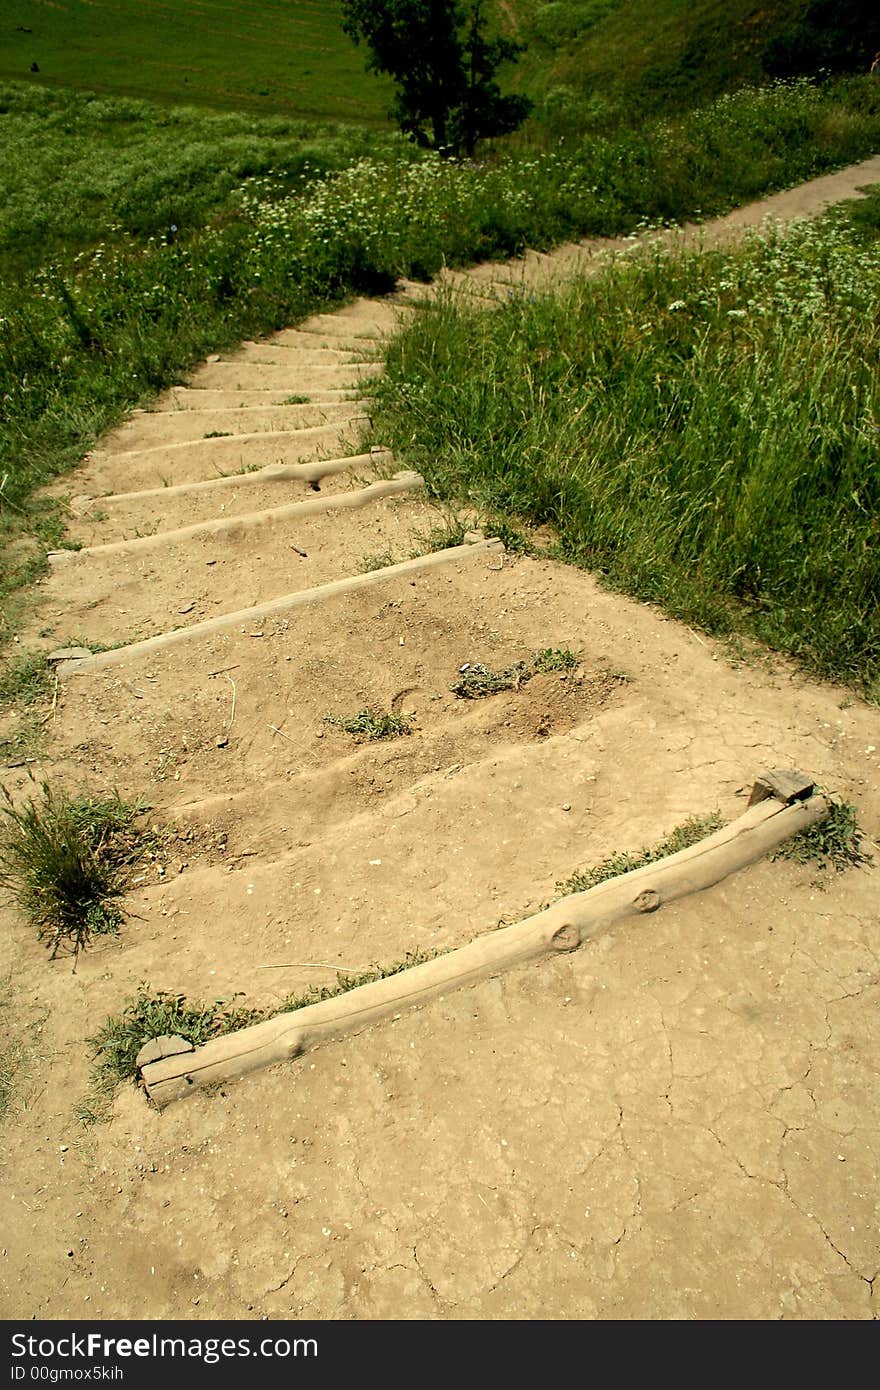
[(269, 57)]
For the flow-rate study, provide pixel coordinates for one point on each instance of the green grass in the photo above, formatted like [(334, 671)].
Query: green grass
[(26, 680), (690, 832), (79, 169), (601, 61), (65, 861), (271, 56), (834, 843), (703, 430)]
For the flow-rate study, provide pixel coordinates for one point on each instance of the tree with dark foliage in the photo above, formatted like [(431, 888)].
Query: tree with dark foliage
[(443, 62), (834, 35)]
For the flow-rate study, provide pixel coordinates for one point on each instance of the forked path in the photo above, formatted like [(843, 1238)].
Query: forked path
[(679, 1120)]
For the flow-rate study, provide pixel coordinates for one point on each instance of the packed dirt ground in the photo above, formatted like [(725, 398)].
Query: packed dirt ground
[(680, 1120)]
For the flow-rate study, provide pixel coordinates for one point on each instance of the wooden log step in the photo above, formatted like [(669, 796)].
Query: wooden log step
[(298, 599), (195, 397), (408, 481), (272, 473), (145, 429), (235, 375), (236, 446), (561, 928)]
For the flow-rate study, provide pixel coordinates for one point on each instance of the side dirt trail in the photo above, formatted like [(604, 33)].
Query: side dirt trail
[(678, 1121)]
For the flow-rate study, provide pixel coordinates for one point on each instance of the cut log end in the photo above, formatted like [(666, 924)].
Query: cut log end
[(785, 784), (168, 1045)]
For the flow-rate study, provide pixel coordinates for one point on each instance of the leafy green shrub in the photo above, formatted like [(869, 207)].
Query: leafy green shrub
[(372, 724)]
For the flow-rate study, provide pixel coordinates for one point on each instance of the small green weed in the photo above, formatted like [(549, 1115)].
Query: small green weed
[(835, 843), (66, 862), (444, 536), (218, 434), (686, 834), (477, 680), (555, 659), (378, 561), (372, 724), (514, 539)]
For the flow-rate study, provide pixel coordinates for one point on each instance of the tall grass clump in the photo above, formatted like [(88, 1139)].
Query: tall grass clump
[(65, 861), (702, 429)]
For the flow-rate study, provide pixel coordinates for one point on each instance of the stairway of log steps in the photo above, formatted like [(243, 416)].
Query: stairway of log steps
[(247, 492)]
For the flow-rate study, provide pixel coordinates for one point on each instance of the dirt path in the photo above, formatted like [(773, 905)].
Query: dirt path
[(680, 1121)]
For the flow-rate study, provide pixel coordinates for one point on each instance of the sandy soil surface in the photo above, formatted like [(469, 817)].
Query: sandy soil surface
[(678, 1121)]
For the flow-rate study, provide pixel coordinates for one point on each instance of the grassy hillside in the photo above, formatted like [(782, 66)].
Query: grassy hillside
[(588, 61), (700, 429), (595, 59), (239, 55)]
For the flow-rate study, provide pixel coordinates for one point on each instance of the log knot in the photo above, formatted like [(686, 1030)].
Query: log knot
[(566, 938), (648, 901)]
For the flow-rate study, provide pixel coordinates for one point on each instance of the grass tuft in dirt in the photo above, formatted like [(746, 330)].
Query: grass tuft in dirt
[(688, 833), (444, 536), (476, 680), (377, 560), (371, 724), (26, 680), (835, 843), (66, 862)]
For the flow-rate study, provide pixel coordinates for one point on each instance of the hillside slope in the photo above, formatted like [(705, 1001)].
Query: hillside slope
[(675, 53)]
